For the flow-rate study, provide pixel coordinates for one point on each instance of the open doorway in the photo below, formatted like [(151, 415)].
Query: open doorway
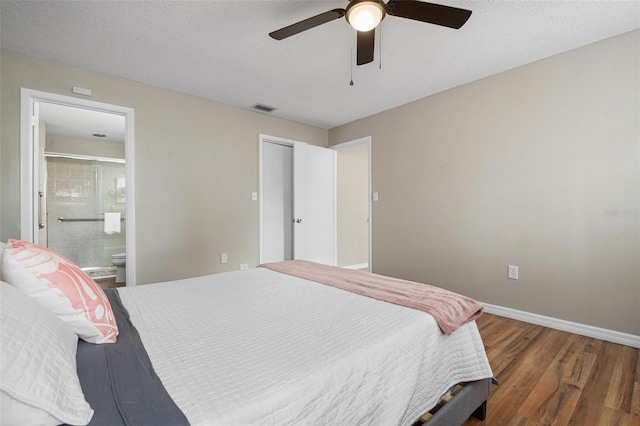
[(77, 180), (354, 204)]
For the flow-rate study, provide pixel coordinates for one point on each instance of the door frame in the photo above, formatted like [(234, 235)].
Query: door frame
[(29, 166), (366, 141)]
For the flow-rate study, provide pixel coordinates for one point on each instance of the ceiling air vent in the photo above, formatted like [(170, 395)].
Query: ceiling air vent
[(263, 108)]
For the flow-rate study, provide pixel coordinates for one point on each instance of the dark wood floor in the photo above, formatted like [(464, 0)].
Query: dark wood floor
[(550, 377)]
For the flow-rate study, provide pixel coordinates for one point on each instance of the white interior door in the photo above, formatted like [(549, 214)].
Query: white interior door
[(277, 202), (314, 201)]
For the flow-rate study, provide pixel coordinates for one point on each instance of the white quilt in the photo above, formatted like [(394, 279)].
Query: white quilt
[(260, 347)]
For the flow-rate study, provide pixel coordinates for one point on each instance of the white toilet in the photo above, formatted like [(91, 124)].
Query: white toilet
[(119, 260)]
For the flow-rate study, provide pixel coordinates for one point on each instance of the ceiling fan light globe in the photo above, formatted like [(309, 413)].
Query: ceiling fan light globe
[(365, 15)]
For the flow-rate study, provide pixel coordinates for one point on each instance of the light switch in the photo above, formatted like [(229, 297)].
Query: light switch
[(254, 196), (375, 196)]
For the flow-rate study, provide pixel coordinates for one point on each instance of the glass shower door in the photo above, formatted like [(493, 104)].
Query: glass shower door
[(79, 191)]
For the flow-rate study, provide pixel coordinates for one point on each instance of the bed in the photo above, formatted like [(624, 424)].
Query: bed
[(264, 347)]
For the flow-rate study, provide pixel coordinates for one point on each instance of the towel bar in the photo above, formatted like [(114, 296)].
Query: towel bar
[(85, 219)]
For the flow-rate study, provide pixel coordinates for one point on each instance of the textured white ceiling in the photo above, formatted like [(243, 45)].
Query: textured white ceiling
[(221, 50)]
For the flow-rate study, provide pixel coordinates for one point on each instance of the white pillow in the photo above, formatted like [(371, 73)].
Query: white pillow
[(38, 377), (63, 288)]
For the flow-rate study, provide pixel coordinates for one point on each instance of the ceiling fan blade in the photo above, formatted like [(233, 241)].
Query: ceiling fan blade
[(307, 24), (431, 13), (366, 44)]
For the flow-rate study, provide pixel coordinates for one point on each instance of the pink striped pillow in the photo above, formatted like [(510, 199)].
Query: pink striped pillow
[(58, 284)]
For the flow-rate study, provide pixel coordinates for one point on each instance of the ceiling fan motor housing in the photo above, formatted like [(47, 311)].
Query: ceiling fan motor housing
[(365, 15)]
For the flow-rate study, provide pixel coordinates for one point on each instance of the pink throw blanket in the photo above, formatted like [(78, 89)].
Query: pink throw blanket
[(450, 309)]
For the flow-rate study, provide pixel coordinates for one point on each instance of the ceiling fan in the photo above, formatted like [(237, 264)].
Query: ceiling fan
[(365, 15)]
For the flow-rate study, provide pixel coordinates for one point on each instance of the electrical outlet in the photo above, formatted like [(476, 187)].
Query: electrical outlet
[(223, 258), (244, 266), (512, 272)]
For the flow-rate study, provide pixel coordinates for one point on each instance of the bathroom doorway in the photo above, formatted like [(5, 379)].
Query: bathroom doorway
[(79, 153)]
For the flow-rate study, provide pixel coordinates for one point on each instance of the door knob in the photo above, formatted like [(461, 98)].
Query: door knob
[(297, 220)]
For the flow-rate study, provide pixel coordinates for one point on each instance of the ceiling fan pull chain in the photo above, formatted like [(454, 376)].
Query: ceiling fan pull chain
[(351, 58), (380, 46), (351, 62)]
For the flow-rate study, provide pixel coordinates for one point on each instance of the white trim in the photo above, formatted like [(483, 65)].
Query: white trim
[(28, 168), (571, 327), (130, 207), (85, 157), (360, 266), (335, 208), (365, 140), (27, 201), (260, 203), (345, 145)]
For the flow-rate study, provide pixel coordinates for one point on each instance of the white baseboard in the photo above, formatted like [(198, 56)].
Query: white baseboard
[(571, 327), (359, 266)]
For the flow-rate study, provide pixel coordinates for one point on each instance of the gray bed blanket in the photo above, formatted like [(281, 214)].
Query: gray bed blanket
[(119, 382)]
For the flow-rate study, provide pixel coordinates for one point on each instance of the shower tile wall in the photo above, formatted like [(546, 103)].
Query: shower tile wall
[(83, 189)]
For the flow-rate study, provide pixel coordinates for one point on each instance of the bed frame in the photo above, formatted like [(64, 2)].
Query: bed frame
[(469, 400)]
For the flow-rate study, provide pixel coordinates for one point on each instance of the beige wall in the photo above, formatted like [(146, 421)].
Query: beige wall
[(353, 205), (196, 164), (536, 167), (78, 146)]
